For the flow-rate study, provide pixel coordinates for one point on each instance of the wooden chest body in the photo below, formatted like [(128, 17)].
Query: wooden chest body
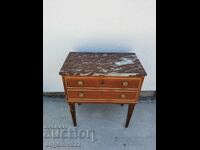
[(122, 90)]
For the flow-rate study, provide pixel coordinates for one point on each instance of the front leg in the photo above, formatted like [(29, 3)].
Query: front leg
[(73, 112), (129, 114)]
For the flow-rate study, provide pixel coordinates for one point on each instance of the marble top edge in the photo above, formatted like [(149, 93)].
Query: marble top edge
[(103, 52), (104, 75)]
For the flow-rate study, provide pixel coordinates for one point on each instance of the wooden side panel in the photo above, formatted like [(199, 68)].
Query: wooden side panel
[(64, 85)]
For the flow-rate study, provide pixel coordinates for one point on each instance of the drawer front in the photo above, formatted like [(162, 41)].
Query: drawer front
[(88, 82), (95, 95)]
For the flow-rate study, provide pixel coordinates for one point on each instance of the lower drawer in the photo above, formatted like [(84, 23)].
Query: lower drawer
[(103, 82), (102, 95)]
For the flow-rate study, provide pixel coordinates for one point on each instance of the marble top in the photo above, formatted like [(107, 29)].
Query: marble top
[(98, 64)]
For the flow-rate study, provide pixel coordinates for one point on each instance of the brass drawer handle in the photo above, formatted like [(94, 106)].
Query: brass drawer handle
[(80, 82), (125, 83), (123, 95), (81, 94)]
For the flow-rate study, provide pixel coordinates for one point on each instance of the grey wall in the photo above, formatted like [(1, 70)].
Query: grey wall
[(98, 25)]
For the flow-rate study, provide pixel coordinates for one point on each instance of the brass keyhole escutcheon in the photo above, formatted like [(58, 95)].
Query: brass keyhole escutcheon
[(80, 82), (123, 95), (125, 83), (81, 94), (102, 82)]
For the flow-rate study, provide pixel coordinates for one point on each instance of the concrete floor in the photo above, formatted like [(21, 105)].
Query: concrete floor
[(100, 127)]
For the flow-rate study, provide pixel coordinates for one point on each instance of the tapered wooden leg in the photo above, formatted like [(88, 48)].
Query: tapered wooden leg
[(129, 114), (73, 113)]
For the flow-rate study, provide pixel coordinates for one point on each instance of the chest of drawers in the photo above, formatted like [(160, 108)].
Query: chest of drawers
[(114, 78)]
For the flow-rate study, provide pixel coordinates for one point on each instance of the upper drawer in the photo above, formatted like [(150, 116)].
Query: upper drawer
[(104, 82)]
